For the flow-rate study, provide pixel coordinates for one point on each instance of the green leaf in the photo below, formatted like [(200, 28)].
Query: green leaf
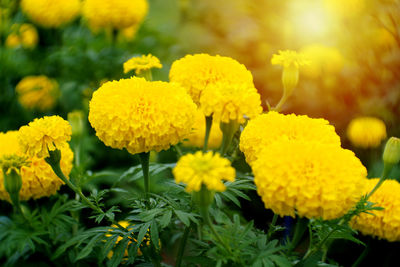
[(281, 261), (154, 234), (183, 216), (89, 247), (166, 219), (118, 253)]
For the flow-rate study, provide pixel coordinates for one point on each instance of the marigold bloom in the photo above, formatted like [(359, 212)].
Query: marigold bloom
[(384, 223), (272, 127), (366, 132), (117, 14), (24, 35), (51, 13), (311, 180), (206, 169), (41, 135), (38, 179), (289, 58), (196, 137), (141, 116), (196, 72), (37, 92), (226, 102), (141, 64)]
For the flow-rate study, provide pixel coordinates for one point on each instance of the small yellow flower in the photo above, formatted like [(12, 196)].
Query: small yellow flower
[(141, 64), (116, 14), (231, 102), (196, 72), (206, 169), (37, 92), (41, 135), (196, 137), (38, 179), (140, 115), (383, 223), (366, 132), (273, 127), (289, 58), (311, 180), (51, 13)]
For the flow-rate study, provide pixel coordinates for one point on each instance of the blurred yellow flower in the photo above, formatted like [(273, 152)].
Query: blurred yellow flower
[(323, 60), (344, 8), (116, 14), (273, 127), (140, 115), (196, 72), (51, 13), (289, 58), (41, 135), (196, 137), (141, 64), (230, 101), (24, 35), (207, 169), (311, 180), (366, 132), (37, 92), (129, 34), (383, 223), (38, 179)]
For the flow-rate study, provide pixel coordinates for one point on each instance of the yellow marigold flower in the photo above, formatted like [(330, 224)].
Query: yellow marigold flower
[(323, 60), (38, 179), (384, 223), (51, 13), (196, 137), (226, 102), (128, 34), (289, 58), (311, 180), (37, 92), (196, 72), (206, 169), (41, 135), (140, 115), (143, 63), (273, 127), (116, 14), (366, 132)]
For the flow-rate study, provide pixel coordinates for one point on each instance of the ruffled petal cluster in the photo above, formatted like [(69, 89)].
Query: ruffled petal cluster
[(41, 135), (24, 35), (196, 137), (51, 13), (37, 92), (140, 115), (383, 223), (117, 14), (38, 179), (207, 169), (231, 101), (366, 132), (141, 64), (197, 72), (289, 58), (273, 127), (311, 180)]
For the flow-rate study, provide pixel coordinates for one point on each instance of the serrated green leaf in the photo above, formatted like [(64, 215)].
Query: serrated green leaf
[(154, 234), (166, 219)]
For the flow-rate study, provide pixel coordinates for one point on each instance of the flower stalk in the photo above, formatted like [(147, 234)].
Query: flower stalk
[(144, 160), (209, 120), (228, 131)]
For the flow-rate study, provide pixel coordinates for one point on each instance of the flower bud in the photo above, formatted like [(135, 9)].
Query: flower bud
[(12, 182), (391, 154), (11, 165)]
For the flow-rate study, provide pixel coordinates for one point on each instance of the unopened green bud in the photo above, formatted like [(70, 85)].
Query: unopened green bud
[(75, 118), (11, 166), (391, 154), (290, 79)]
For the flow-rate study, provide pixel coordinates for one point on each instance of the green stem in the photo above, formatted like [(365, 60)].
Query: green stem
[(282, 101), (144, 160), (299, 230), (207, 219), (178, 151), (182, 246), (272, 225), (361, 257), (385, 174), (209, 120)]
